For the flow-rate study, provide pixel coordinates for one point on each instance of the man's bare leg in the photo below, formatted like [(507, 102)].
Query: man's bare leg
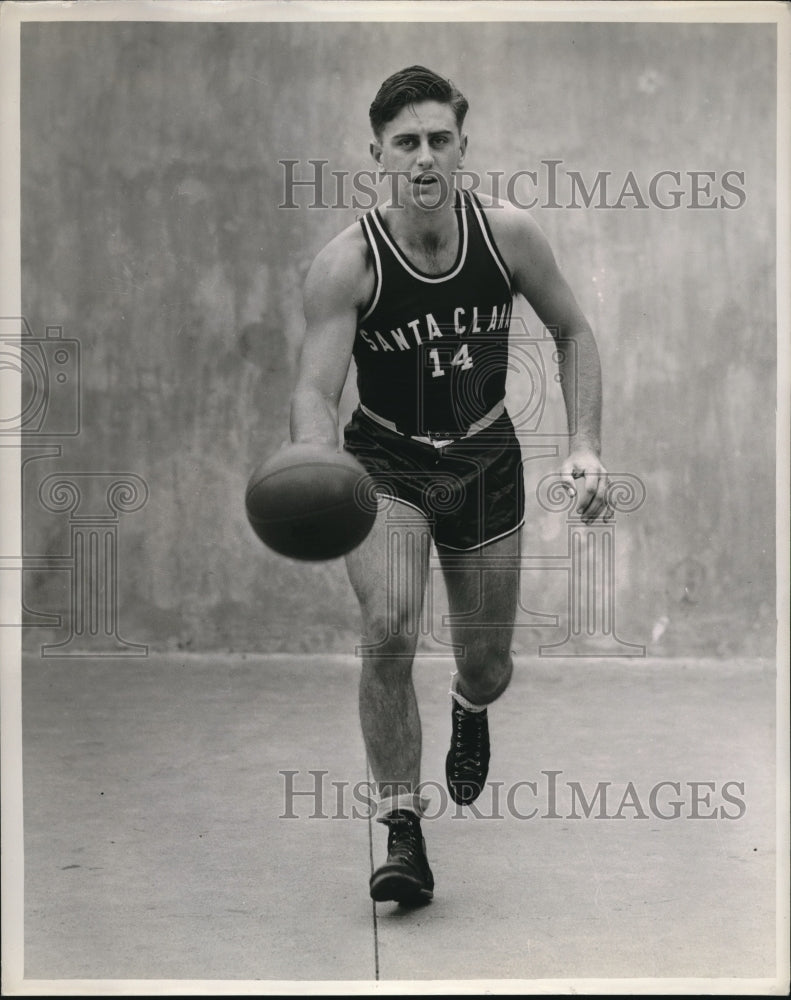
[(388, 573), (483, 590)]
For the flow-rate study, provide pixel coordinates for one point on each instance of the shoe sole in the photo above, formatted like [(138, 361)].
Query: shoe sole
[(398, 887)]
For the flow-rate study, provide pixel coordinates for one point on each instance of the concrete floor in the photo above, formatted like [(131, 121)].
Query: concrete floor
[(156, 848)]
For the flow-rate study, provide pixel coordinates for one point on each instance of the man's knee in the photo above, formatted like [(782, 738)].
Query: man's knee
[(485, 672), (389, 635)]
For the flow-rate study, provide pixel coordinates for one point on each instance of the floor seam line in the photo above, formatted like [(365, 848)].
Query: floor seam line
[(371, 861)]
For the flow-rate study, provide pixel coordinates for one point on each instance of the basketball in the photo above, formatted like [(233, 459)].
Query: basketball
[(310, 502)]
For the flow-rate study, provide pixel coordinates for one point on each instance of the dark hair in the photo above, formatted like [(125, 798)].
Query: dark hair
[(410, 86)]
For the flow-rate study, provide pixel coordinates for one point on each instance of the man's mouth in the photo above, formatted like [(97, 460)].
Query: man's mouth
[(425, 180)]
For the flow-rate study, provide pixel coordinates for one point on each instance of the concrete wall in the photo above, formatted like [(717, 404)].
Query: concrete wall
[(151, 233)]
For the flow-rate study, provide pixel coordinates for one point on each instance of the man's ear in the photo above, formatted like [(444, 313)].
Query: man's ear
[(462, 149), (376, 152)]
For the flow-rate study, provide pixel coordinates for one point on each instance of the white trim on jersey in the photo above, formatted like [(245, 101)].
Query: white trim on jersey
[(389, 496), (377, 269), (485, 233), (488, 541), (408, 267), (472, 548)]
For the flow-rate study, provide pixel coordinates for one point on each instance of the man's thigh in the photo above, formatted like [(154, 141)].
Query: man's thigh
[(483, 592), (388, 571)]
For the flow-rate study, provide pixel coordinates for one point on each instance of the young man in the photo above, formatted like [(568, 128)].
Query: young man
[(420, 293)]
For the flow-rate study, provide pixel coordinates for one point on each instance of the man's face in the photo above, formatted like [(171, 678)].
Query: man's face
[(422, 146)]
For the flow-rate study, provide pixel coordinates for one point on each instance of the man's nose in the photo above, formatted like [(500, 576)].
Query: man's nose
[(425, 158)]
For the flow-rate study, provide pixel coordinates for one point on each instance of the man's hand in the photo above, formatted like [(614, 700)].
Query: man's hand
[(586, 478)]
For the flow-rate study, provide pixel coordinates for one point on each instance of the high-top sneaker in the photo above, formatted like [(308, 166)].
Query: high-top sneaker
[(405, 877), (467, 762)]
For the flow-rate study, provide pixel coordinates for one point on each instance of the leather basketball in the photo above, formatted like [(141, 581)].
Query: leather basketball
[(311, 502)]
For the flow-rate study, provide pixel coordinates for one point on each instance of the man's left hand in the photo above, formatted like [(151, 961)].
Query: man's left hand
[(586, 478)]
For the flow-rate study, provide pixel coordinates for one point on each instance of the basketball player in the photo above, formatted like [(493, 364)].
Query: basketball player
[(419, 292)]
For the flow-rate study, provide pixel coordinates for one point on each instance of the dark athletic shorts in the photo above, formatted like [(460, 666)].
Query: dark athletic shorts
[(471, 491)]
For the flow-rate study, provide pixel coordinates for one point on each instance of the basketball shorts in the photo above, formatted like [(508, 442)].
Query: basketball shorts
[(471, 491)]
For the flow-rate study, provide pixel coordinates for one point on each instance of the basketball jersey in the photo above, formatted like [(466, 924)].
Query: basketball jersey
[(432, 349)]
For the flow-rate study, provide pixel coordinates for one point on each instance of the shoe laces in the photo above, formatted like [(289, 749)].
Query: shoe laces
[(468, 737), (404, 836)]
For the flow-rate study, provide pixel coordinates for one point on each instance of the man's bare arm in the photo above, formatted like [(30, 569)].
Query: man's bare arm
[(538, 278), (541, 282), (334, 289)]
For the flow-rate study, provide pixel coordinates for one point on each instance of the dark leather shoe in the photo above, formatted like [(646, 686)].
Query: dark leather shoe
[(467, 762), (405, 877)]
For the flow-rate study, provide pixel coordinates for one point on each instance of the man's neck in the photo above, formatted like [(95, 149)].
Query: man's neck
[(424, 228)]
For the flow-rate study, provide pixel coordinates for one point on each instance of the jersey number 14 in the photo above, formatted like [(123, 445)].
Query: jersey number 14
[(461, 360)]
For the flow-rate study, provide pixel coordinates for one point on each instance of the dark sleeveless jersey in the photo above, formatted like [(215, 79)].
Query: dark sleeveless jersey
[(432, 349)]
